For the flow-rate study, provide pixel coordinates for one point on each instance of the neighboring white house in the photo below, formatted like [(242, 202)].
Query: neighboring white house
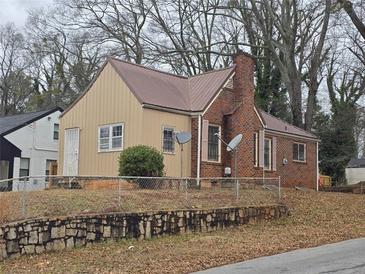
[(355, 171), (35, 135)]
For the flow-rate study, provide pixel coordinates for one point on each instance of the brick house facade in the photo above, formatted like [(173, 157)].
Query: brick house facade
[(235, 113), (147, 106)]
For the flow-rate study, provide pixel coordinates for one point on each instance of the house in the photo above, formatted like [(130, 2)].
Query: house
[(355, 171), (28, 145), (129, 104)]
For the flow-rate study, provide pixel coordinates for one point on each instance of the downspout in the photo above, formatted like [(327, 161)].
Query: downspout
[(317, 169), (263, 168), (199, 149)]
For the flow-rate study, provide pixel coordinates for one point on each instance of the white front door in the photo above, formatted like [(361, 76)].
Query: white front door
[(71, 152)]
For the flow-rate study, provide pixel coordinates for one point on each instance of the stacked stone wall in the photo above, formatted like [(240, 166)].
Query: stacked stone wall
[(49, 234)]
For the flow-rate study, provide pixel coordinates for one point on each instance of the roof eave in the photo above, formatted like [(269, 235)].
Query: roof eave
[(171, 110), (31, 121), (314, 138)]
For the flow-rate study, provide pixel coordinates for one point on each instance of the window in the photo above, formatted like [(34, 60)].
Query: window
[(111, 137), (267, 154), (213, 143), (24, 167), (256, 149), (56, 131), (168, 145), (299, 152)]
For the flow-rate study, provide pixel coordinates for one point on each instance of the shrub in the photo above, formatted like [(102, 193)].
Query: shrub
[(141, 161)]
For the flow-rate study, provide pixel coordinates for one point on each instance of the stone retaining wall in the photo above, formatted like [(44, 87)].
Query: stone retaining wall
[(47, 234)]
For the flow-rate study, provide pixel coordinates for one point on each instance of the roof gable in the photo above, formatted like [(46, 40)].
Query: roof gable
[(168, 90), (154, 87), (12, 123)]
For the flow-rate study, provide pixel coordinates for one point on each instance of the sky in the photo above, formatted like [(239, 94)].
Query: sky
[(16, 10)]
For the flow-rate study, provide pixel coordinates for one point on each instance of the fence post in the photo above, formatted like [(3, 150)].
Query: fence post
[(186, 190), (279, 188), (120, 193), (24, 198), (237, 190)]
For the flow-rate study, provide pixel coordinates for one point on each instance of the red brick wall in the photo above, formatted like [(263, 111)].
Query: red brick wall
[(244, 120), (215, 115), (294, 173)]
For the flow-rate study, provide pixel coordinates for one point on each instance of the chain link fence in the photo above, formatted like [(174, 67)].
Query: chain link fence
[(47, 196)]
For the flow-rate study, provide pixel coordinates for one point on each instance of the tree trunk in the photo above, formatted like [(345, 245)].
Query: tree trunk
[(294, 89), (347, 6), (311, 102)]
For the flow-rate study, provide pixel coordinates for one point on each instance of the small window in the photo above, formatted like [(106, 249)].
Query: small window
[(168, 140), (24, 167), (213, 143), (56, 131), (256, 149), (267, 154), (299, 152), (111, 137)]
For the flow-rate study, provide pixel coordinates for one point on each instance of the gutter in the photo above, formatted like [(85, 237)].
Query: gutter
[(171, 110)]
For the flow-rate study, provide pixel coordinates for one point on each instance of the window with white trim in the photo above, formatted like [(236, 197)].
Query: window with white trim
[(111, 137), (299, 152), (213, 143), (56, 131), (24, 167), (256, 149), (267, 154), (168, 140)]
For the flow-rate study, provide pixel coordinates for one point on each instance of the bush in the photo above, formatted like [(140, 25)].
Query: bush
[(141, 161)]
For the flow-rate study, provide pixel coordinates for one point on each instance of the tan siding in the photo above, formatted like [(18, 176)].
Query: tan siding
[(110, 101), (153, 123)]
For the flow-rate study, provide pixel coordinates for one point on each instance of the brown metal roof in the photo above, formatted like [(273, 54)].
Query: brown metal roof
[(278, 125), (167, 90)]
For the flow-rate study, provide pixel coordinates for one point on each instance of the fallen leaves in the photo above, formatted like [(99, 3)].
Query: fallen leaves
[(316, 218)]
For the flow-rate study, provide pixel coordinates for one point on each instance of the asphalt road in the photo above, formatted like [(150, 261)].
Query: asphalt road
[(339, 258)]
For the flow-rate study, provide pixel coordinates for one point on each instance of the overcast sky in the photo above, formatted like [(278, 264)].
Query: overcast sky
[(16, 10)]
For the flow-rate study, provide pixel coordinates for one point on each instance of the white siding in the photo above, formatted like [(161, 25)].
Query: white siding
[(355, 175), (36, 143)]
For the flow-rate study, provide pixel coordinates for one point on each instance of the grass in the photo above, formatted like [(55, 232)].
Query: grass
[(316, 218), (59, 202)]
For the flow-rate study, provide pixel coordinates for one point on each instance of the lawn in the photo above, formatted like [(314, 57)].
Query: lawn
[(316, 218), (59, 202)]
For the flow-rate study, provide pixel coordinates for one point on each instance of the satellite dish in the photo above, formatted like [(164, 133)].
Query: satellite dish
[(183, 137), (234, 142)]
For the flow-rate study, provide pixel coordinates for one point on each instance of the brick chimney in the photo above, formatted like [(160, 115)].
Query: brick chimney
[(243, 80)]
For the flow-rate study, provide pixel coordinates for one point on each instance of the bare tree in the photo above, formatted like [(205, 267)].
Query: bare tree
[(117, 24), (348, 6), (15, 86), (63, 61), (191, 36), (294, 32)]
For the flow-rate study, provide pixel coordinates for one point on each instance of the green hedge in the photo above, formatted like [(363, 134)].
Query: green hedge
[(141, 161)]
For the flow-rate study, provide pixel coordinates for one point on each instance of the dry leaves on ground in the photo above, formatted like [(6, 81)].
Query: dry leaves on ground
[(316, 218)]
